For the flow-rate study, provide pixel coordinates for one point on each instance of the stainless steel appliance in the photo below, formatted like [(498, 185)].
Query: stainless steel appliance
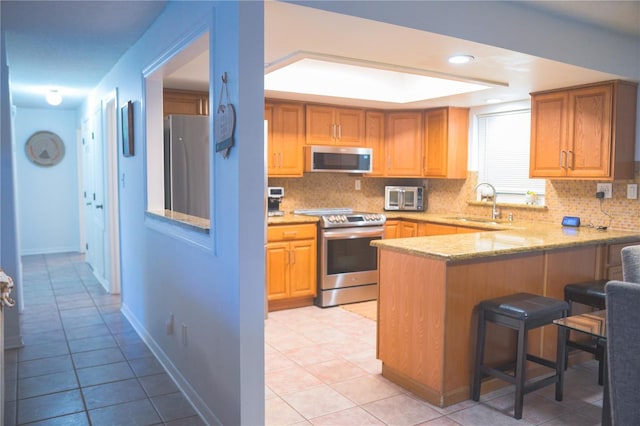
[(337, 159), (347, 264), (404, 198), (186, 164), (274, 198)]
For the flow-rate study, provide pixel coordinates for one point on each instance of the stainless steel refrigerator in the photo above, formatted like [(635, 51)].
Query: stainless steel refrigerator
[(186, 164)]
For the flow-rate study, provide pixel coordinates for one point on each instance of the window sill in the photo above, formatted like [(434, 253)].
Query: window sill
[(184, 220), (534, 207)]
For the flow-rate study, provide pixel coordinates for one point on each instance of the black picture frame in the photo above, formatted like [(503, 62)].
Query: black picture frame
[(126, 117)]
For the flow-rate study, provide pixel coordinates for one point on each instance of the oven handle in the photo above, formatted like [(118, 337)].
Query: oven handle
[(342, 233)]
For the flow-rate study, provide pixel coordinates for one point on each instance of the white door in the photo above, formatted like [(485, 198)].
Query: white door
[(87, 189), (98, 199)]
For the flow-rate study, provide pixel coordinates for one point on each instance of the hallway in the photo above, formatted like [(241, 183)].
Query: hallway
[(82, 362)]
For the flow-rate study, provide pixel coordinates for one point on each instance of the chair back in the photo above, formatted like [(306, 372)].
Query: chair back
[(623, 351), (631, 264)]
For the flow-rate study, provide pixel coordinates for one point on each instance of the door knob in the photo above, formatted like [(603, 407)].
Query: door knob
[(6, 284), (99, 206)]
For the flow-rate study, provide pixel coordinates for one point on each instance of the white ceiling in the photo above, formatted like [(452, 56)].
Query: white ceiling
[(72, 44)]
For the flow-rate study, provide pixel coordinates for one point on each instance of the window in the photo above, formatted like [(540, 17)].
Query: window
[(503, 159), (178, 141)]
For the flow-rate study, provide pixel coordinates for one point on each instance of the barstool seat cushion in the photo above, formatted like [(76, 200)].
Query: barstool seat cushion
[(525, 306), (589, 293)]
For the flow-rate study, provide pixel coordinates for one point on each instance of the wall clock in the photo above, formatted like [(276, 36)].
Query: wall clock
[(44, 148)]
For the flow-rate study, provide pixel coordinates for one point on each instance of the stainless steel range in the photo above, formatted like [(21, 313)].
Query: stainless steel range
[(347, 264)]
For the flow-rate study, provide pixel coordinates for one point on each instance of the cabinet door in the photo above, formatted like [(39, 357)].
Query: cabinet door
[(391, 229), (548, 135), (437, 229), (350, 127), (403, 144), (407, 229), (285, 139), (302, 271), (321, 128), (446, 143), (374, 136), (185, 102), (277, 265), (589, 148)]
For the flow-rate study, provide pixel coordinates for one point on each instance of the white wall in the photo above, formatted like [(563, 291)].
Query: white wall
[(215, 286), (47, 196)]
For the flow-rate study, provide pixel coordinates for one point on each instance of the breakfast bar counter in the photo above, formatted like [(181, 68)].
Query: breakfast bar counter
[(429, 288)]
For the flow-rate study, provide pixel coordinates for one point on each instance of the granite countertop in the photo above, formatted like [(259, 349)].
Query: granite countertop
[(291, 219), (504, 239)]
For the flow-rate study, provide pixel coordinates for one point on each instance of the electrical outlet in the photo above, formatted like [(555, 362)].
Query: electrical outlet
[(606, 188), (358, 185), (632, 191)]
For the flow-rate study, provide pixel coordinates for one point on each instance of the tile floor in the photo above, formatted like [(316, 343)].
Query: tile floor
[(321, 369), (83, 364)]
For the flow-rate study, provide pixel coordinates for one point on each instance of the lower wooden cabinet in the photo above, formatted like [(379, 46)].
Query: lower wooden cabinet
[(291, 263), (399, 228)]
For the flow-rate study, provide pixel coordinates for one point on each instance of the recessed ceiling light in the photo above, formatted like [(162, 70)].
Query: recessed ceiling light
[(368, 82), (460, 59), (53, 97)]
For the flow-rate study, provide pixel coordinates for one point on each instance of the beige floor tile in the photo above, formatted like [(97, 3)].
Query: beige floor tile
[(290, 380), (274, 361), (367, 389), (484, 415), (440, 421), (402, 410), (278, 412), (318, 401), (310, 355), (355, 416), (335, 370)]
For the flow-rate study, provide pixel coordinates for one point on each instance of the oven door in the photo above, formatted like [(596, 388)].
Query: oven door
[(347, 258)]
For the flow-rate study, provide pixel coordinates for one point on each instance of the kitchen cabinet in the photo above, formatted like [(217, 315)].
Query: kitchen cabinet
[(585, 132), (407, 229), (374, 138), (291, 257), (446, 132), (327, 125), (403, 144), (185, 102), (391, 228), (285, 138), (428, 229), (613, 260)]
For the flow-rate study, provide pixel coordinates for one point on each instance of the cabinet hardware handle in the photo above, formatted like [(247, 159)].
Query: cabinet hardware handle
[(570, 160), (333, 131), (339, 131), (288, 257), (289, 233), (562, 162)]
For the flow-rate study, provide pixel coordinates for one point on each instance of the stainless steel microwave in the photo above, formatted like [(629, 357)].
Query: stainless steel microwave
[(404, 198), (337, 159)]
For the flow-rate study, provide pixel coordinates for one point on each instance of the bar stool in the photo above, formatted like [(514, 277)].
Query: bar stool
[(521, 312), (590, 293)]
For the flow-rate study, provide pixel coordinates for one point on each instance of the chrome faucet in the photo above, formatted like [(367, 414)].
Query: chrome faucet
[(494, 213)]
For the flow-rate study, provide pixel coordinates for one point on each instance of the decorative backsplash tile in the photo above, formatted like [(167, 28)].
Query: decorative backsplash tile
[(562, 198)]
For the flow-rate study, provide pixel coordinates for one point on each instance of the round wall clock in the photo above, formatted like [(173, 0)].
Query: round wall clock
[(44, 148)]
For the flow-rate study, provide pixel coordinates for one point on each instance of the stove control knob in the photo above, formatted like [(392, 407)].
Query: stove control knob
[(343, 218)]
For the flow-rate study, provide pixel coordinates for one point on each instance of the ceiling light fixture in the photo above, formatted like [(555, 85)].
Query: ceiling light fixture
[(460, 59), (54, 97), (315, 74)]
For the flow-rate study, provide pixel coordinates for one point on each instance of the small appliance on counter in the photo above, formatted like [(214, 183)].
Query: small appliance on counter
[(274, 198), (404, 198)]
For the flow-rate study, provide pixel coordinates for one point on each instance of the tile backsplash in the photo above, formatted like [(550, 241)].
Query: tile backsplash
[(562, 198)]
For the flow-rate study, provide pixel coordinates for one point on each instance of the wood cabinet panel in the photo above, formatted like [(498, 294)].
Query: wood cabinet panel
[(327, 125), (446, 142), (428, 229), (291, 263), (374, 137), (185, 102), (584, 132), (391, 229), (403, 144), (285, 138)]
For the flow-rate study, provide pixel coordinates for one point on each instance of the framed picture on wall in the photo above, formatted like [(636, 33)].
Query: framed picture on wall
[(126, 118)]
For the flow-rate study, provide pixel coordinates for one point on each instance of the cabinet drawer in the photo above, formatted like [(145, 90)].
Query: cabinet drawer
[(290, 232), (614, 257)]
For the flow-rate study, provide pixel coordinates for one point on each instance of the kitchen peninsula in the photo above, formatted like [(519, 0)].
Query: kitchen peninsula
[(429, 287)]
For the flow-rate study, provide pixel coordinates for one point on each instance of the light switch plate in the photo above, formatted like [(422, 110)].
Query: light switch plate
[(632, 191)]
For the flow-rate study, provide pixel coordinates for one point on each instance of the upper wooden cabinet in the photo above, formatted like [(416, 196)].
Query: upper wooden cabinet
[(585, 132), (374, 136), (327, 125), (285, 138), (446, 132), (403, 144), (185, 102)]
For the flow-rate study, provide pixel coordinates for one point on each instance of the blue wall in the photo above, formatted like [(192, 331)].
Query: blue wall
[(48, 206)]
